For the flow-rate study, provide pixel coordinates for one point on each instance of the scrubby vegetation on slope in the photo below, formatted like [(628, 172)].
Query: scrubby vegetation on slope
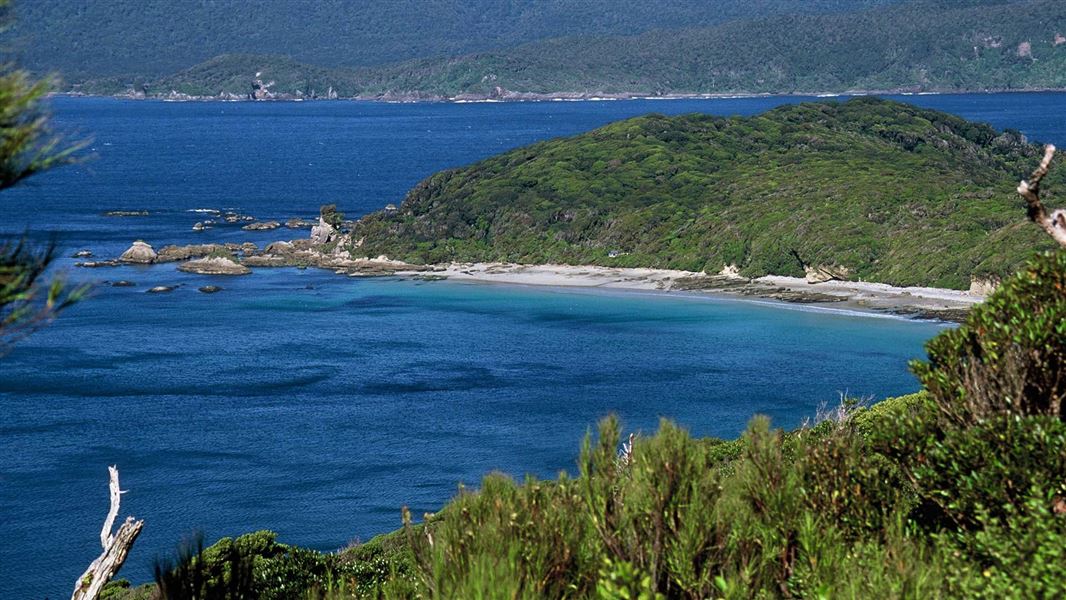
[(891, 192), (958, 491), (919, 45), (156, 37)]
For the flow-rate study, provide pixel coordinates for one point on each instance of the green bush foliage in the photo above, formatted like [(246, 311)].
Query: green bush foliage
[(1010, 357)]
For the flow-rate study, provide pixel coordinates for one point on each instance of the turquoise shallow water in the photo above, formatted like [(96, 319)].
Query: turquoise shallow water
[(317, 405)]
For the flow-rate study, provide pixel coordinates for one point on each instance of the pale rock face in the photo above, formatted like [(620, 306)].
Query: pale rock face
[(824, 273), (731, 271), (139, 253), (214, 265), (341, 250), (982, 286), (322, 233)]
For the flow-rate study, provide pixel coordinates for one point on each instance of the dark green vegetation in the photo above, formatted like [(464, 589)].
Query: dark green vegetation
[(157, 37), (639, 48), (958, 492), (891, 192), (918, 45), (27, 147)]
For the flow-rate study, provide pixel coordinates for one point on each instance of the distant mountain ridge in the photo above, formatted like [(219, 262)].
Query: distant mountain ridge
[(90, 39), (919, 45)]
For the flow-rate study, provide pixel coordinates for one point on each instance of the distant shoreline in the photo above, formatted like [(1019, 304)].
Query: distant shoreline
[(512, 97)]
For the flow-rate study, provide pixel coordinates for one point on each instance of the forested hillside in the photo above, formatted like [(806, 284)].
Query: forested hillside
[(918, 45), (877, 190), (96, 38)]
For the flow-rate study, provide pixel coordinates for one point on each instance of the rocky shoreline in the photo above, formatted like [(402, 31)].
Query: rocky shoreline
[(329, 247)]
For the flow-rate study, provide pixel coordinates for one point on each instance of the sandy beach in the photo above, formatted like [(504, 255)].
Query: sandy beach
[(919, 302)]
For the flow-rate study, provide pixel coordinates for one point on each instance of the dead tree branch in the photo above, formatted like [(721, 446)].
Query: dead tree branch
[(116, 547), (1053, 223)]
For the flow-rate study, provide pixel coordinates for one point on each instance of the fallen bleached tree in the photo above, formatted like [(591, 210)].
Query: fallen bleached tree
[(115, 548), (1054, 223)]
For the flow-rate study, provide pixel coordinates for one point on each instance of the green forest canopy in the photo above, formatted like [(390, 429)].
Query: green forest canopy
[(891, 192)]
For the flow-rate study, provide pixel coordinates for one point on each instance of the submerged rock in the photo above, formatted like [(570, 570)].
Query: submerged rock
[(122, 283), (161, 289), (139, 253), (92, 264), (210, 289), (126, 213), (83, 254), (214, 265)]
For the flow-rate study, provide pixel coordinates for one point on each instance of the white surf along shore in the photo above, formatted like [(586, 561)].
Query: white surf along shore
[(916, 301)]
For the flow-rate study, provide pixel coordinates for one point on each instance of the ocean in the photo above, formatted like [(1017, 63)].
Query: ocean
[(317, 405)]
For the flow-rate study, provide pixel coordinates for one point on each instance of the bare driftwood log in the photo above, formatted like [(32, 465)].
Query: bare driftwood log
[(116, 547), (1054, 223)]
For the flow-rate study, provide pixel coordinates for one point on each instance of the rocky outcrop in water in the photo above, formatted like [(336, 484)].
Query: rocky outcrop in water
[(139, 253), (214, 265), (176, 253), (264, 226)]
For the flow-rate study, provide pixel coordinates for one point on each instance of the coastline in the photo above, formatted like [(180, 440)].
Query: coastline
[(507, 97), (915, 302)]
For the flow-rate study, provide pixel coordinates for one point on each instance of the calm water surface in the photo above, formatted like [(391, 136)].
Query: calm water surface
[(316, 405)]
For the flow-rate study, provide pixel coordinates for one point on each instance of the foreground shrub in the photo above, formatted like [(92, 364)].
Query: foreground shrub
[(1009, 358)]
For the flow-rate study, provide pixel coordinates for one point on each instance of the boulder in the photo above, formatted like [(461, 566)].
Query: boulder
[(824, 273), (83, 254), (297, 223), (161, 289), (982, 286), (280, 248), (731, 271), (210, 289), (139, 253), (214, 265)]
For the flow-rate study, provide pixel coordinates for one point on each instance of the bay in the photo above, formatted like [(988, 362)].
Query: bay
[(317, 405)]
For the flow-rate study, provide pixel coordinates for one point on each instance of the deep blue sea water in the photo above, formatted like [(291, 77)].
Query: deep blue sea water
[(318, 405)]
